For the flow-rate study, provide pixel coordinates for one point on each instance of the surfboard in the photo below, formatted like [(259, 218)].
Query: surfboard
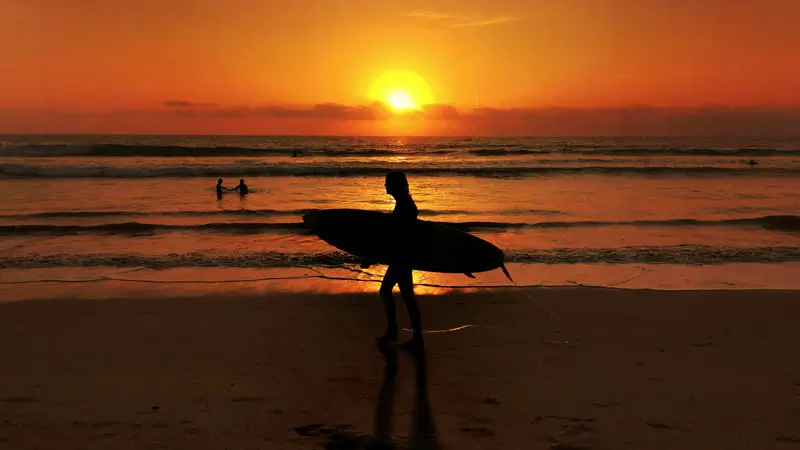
[(420, 245)]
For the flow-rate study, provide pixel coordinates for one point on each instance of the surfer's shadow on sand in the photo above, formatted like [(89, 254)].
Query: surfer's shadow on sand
[(422, 432)]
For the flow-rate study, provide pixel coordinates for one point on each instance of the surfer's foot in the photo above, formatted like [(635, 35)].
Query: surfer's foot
[(387, 337), (416, 343)]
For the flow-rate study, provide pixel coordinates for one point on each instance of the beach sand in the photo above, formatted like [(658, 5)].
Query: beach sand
[(617, 369)]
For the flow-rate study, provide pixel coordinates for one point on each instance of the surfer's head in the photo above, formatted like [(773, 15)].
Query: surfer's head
[(396, 183), (219, 181)]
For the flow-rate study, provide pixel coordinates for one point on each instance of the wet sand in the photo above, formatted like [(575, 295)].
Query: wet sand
[(610, 369)]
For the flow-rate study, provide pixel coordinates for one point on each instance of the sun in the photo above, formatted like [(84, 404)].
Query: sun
[(401, 101), (403, 90)]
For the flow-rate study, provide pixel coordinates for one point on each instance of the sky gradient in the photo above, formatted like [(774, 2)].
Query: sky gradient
[(554, 67)]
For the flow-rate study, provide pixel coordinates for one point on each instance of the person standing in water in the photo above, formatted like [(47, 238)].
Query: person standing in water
[(242, 188), (404, 215), (220, 188)]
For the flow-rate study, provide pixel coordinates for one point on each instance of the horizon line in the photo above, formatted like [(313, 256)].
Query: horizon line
[(509, 136)]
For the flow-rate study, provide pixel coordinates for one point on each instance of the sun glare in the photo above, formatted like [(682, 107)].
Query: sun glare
[(402, 90), (401, 101)]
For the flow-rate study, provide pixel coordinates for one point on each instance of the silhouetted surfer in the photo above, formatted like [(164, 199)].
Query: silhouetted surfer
[(242, 188), (404, 214)]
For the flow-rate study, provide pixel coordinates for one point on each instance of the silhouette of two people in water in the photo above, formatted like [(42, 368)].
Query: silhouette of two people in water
[(241, 188)]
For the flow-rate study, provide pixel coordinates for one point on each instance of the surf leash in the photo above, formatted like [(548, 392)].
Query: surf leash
[(539, 304)]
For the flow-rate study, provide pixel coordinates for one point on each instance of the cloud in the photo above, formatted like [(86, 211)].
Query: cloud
[(185, 104), (328, 111), (641, 120), (463, 21), (485, 22), (440, 112), (334, 111), (331, 111), (432, 15)]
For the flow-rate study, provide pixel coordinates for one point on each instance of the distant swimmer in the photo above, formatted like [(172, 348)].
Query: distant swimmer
[(242, 188), (752, 162), (294, 154), (220, 188)]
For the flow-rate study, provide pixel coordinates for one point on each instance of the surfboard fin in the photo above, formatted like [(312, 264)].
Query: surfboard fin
[(469, 274), (505, 271)]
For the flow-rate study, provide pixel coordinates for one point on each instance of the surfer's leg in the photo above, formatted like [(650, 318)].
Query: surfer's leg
[(406, 282), (389, 280)]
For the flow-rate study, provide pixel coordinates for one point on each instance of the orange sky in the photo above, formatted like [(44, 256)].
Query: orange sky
[(110, 66)]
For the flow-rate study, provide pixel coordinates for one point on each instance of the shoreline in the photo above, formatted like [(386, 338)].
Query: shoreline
[(106, 282)]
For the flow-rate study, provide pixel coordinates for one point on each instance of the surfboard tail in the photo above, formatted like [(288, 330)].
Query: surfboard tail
[(505, 271)]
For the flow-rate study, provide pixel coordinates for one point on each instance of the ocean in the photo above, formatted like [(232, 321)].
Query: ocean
[(101, 215)]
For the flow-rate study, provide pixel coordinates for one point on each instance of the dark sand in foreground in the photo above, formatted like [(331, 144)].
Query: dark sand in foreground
[(623, 370)]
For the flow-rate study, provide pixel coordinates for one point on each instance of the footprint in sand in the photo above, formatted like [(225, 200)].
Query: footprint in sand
[(608, 404), (247, 399), (21, 399), (571, 419), (479, 432), (576, 429), (340, 437), (104, 424), (491, 401), (308, 430), (579, 428), (562, 446), (659, 425)]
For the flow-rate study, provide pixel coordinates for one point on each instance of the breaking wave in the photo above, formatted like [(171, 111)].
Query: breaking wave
[(308, 170), (681, 254), (476, 148), (778, 223), (242, 212), (616, 151), (177, 151)]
